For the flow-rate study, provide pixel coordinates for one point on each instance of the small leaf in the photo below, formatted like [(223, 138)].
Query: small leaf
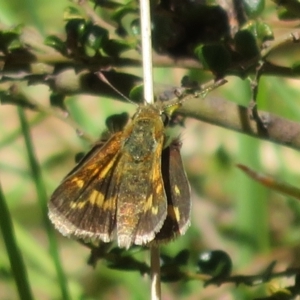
[(79, 156), (245, 44), (72, 13), (254, 7), (10, 38), (260, 30), (292, 7), (124, 16), (130, 7), (136, 27), (116, 47), (95, 37), (248, 41), (56, 43), (137, 93), (117, 122), (297, 282), (171, 266), (286, 15), (76, 28), (58, 101), (107, 4), (216, 263), (214, 57), (296, 68), (182, 257), (14, 44)]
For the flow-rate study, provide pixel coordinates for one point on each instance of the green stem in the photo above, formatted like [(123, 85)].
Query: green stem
[(251, 205), (42, 198), (13, 251)]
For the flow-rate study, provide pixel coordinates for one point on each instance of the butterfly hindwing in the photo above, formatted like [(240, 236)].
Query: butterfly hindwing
[(178, 194)]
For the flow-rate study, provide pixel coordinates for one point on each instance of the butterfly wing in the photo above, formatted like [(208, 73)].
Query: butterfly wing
[(178, 194), (80, 206)]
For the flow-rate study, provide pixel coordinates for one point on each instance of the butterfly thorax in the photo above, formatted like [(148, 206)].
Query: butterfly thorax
[(143, 134)]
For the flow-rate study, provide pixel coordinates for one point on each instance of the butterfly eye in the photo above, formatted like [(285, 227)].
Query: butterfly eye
[(165, 118)]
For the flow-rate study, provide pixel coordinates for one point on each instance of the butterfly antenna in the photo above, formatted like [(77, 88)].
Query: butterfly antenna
[(102, 77), (202, 92)]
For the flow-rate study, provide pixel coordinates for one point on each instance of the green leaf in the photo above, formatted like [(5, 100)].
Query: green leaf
[(216, 263), (72, 13), (130, 7), (296, 68), (182, 257), (245, 44), (260, 30), (116, 47), (286, 15), (10, 38), (58, 101), (56, 43), (106, 4), (76, 28), (292, 7), (254, 7), (137, 93), (95, 37), (249, 39), (214, 57)]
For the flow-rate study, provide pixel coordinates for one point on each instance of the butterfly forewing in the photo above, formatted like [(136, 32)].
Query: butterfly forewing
[(79, 206)]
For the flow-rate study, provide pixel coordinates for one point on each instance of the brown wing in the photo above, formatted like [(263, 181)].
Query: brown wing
[(141, 202), (80, 206), (178, 194)]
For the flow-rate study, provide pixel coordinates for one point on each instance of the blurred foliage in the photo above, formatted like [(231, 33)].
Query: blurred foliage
[(242, 234)]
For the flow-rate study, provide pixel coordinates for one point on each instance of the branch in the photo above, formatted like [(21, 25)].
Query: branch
[(229, 115), (216, 111)]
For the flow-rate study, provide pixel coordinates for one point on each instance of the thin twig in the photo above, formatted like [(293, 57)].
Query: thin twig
[(149, 98), (146, 50), (155, 273)]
